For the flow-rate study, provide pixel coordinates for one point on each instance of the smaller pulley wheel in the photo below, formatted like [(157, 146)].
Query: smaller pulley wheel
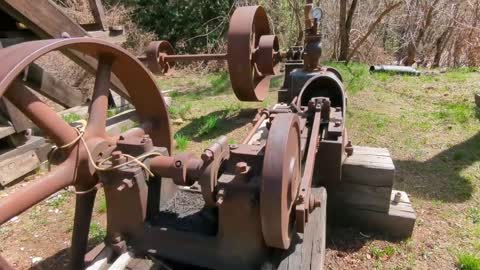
[(266, 56), (247, 26), (280, 181), (155, 53)]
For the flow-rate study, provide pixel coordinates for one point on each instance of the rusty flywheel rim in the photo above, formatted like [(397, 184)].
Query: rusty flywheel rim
[(247, 25), (77, 169), (280, 180), (145, 95)]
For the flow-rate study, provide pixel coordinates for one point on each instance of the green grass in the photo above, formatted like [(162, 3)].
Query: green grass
[(181, 142), (71, 117), (467, 261), (112, 112), (97, 232), (474, 215), (356, 76), (180, 111), (380, 253), (102, 205), (455, 113), (57, 201), (207, 125)]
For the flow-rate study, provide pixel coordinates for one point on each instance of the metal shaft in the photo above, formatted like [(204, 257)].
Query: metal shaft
[(195, 57)]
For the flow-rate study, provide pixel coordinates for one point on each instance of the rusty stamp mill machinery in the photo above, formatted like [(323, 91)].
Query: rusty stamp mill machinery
[(261, 204)]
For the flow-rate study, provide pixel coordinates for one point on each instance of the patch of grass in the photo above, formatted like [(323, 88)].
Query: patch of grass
[(467, 261), (181, 142), (71, 117), (37, 217), (232, 141), (97, 232), (380, 253), (276, 82), (180, 111), (474, 215), (455, 113), (113, 111), (57, 201), (102, 205), (208, 125), (356, 76)]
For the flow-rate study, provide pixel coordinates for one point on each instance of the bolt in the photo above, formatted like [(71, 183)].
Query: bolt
[(178, 163), (241, 167), (207, 156), (117, 154), (397, 198), (233, 146), (121, 138), (220, 196), (145, 138)]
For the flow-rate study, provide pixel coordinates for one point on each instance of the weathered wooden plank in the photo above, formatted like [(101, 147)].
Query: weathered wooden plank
[(398, 222), (361, 196), (98, 13), (19, 121), (18, 166), (56, 90), (6, 131), (47, 21), (33, 143), (308, 250), (369, 166), (42, 17)]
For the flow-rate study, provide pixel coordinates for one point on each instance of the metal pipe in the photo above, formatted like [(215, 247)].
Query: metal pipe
[(395, 69), (21, 200), (195, 57), (40, 113)]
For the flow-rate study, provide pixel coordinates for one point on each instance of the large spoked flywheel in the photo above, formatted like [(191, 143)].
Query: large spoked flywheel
[(280, 180)]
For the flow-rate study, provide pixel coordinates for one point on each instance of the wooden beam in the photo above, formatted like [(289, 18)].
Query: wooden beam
[(47, 21), (56, 90), (98, 13)]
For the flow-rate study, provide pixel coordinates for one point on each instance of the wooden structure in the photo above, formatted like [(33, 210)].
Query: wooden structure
[(25, 20)]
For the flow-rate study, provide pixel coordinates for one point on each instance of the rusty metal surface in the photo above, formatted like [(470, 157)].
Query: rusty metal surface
[(155, 52), (280, 180), (247, 25), (76, 169)]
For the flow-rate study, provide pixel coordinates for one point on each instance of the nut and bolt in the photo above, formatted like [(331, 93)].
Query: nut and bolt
[(233, 146), (397, 198), (207, 156), (241, 167), (118, 158), (178, 163), (220, 196)]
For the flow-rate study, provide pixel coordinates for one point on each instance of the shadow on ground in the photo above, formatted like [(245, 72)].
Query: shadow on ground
[(201, 129), (440, 178)]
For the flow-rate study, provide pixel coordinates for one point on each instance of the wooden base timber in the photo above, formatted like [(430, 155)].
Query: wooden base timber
[(365, 197)]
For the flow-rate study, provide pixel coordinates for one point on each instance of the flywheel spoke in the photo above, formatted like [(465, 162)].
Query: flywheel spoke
[(23, 199), (98, 109), (40, 113)]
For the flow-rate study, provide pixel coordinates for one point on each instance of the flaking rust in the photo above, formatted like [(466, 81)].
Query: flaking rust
[(258, 196)]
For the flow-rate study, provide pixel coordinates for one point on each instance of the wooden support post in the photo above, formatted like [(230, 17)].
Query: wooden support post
[(98, 14)]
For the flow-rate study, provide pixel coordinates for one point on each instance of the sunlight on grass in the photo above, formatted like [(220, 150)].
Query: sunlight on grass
[(467, 261), (181, 142)]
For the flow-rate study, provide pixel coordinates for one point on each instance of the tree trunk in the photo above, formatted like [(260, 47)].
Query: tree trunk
[(346, 20)]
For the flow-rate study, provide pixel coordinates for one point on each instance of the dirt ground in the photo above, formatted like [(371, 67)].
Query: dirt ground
[(429, 124)]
